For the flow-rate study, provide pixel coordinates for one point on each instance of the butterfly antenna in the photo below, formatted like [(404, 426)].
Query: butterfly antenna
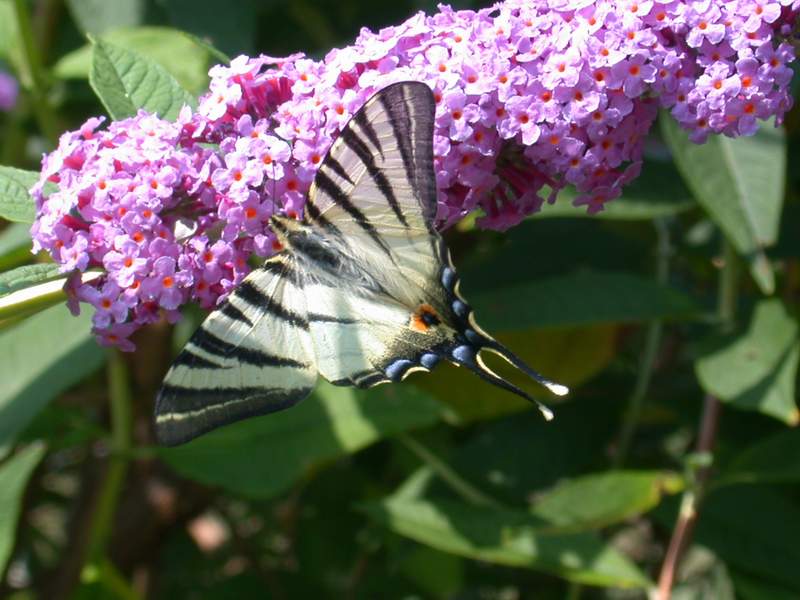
[(470, 358)]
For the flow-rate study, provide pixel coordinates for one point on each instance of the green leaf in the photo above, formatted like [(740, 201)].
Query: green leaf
[(754, 529), (26, 276), (262, 457), (585, 297), (757, 369), (14, 475), (528, 252), (180, 54), (602, 499), (518, 456), (740, 184), (40, 358), (15, 245), (16, 203), (506, 537), (752, 588), (440, 575), (658, 192), (775, 459), (98, 16), (126, 81)]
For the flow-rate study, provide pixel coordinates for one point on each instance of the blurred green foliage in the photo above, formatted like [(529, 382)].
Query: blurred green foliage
[(685, 288)]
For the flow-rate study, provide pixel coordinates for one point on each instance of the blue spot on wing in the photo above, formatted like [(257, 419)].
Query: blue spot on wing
[(429, 360), (397, 369)]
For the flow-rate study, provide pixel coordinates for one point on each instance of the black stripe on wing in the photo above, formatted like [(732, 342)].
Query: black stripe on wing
[(250, 293), (184, 413), (361, 120), (354, 142), (233, 313), (414, 134), (284, 269), (337, 195), (211, 344), (337, 168)]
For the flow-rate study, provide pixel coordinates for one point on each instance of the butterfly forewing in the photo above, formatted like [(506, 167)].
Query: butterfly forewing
[(375, 192), (382, 159)]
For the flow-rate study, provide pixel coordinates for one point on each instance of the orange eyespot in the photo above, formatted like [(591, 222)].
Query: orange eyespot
[(424, 318)]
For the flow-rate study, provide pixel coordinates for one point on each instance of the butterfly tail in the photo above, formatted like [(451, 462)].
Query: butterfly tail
[(497, 348), (469, 356)]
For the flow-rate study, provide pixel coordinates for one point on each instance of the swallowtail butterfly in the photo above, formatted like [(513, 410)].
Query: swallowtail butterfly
[(363, 291)]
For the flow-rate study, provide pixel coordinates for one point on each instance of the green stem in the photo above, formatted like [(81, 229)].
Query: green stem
[(651, 344), (120, 442), (457, 483), (34, 73), (28, 301)]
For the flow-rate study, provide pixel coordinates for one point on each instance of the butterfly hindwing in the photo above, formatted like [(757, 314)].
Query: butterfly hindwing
[(252, 356)]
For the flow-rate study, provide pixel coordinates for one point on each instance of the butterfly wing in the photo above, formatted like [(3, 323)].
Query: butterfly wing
[(375, 192), (252, 356)]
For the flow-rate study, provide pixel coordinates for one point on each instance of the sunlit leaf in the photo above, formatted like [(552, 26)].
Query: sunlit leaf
[(262, 457), (22, 277), (756, 369), (602, 499), (126, 81), (16, 203), (740, 184), (506, 537), (40, 358), (14, 475), (178, 53)]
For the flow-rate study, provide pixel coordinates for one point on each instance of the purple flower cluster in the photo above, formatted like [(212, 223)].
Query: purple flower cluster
[(531, 95), (138, 205), (9, 90)]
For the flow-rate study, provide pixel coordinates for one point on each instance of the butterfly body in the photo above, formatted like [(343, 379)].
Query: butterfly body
[(361, 292)]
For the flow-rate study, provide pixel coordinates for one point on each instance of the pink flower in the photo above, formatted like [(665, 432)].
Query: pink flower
[(530, 95)]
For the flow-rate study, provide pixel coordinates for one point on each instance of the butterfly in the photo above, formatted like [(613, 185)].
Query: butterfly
[(363, 291)]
